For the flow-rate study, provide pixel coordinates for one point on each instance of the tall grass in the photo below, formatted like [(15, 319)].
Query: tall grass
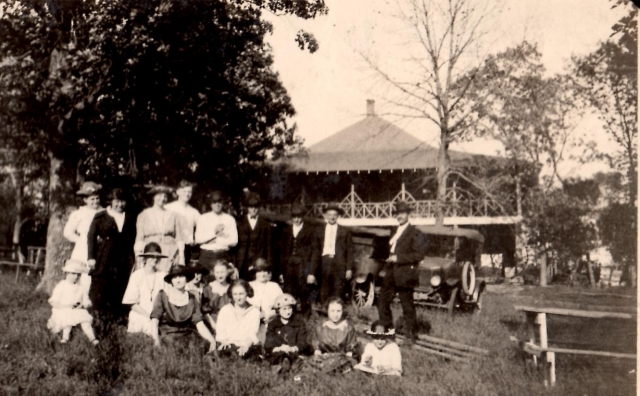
[(33, 362)]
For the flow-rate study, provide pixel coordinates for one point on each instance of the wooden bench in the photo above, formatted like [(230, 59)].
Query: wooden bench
[(34, 262), (537, 320)]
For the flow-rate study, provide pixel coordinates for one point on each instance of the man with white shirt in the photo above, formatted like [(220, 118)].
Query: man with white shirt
[(400, 273), (254, 239), (295, 256), (190, 214), (332, 255), (216, 232)]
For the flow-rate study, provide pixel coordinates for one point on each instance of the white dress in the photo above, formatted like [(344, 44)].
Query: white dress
[(66, 293), (264, 296), (389, 356), (142, 289), (76, 230)]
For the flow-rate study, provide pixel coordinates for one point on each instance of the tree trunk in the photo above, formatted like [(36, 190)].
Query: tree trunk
[(18, 185), (60, 205), (444, 164), (592, 278)]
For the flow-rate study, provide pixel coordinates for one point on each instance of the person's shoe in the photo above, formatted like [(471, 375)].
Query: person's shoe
[(286, 365)]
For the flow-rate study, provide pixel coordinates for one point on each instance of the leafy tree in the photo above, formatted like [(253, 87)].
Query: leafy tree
[(153, 91)]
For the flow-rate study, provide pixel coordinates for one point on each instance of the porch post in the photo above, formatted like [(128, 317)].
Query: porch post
[(353, 201)]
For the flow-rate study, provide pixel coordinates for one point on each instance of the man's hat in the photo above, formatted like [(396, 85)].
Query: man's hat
[(402, 206), (179, 270), (152, 249), (89, 188), (260, 265), (215, 196), (297, 210), (253, 201), (160, 189), (75, 267), (333, 206)]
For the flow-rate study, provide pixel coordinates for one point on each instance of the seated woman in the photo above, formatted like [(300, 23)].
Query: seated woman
[(142, 289), (382, 354), (176, 316), (238, 323)]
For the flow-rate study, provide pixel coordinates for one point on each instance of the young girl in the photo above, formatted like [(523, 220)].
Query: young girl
[(335, 343), (176, 316), (144, 285), (69, 303), (382, 354), (197, 285), (287, 336), (214, 295), (265, 292), (238, 323)]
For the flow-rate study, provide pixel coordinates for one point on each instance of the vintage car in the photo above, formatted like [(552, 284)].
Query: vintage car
[(447, 276)]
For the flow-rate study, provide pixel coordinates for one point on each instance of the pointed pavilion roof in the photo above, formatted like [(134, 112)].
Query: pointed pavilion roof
[(372, 144)]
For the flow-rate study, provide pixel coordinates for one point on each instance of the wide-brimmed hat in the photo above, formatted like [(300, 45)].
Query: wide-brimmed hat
[(380, 331), (215, 196), (160, 189), (402, 206), (89, 188), (179, 270), (253, 201), (297, 211), (152, 249), (260, 265), (75, 266), (333, 206), (199, 269)]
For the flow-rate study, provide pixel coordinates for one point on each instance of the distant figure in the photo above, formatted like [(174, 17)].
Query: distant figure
[(77, 227), (254, 238), (216, 232), (189, 214), (69, 304), (166, 228), (332, 255)]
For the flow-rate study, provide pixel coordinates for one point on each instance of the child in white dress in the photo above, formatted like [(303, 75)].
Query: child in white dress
[(142, 289), (69, 303), (265, 292), (382, 354)]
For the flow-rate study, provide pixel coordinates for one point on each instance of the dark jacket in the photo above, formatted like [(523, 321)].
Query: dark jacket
[(344, 249), (293, 333), (299, 247), (410, 250), (253, 244)]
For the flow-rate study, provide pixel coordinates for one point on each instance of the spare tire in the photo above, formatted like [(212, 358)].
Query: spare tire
[(468, 278)]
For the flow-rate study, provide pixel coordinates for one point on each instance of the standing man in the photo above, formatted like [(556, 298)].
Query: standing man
[(216, 232), (188, 213), (295, 256), (332, 252), (254, 238), (407, 249)]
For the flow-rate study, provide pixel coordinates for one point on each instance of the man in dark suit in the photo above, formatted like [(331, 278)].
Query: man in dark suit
[(332, 254), (407, 249), (254, 238), (295, 256)]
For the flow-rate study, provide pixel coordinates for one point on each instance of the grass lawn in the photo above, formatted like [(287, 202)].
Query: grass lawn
[(33, 362)]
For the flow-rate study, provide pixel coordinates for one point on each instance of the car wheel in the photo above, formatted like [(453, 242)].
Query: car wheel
[(363, 294), (451, 304), (468, 278)]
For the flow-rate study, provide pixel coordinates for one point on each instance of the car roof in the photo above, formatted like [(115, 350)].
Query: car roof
[(455, 232)]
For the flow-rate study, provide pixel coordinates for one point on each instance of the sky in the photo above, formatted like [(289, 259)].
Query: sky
[(329, 88)]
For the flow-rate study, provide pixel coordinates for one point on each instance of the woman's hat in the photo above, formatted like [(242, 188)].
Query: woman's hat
[(89, 188), (297, 211), (199, 269), (260, 265), (402, 206), (333, 206), (284, 300), (378, 330), (152, 249), (179, 270), (75, 267), (160, 189)]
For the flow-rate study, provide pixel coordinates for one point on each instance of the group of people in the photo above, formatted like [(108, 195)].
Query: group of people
[(231, 295)]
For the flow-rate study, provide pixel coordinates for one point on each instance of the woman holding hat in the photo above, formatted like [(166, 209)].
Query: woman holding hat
[(156, 224), (176, 315), (77, 226), (144, 285)]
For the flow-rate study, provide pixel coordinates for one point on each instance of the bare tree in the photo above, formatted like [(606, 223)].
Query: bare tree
[(446, 38)]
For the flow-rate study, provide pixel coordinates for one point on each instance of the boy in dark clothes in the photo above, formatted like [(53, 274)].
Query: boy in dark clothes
[(287, 336)]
